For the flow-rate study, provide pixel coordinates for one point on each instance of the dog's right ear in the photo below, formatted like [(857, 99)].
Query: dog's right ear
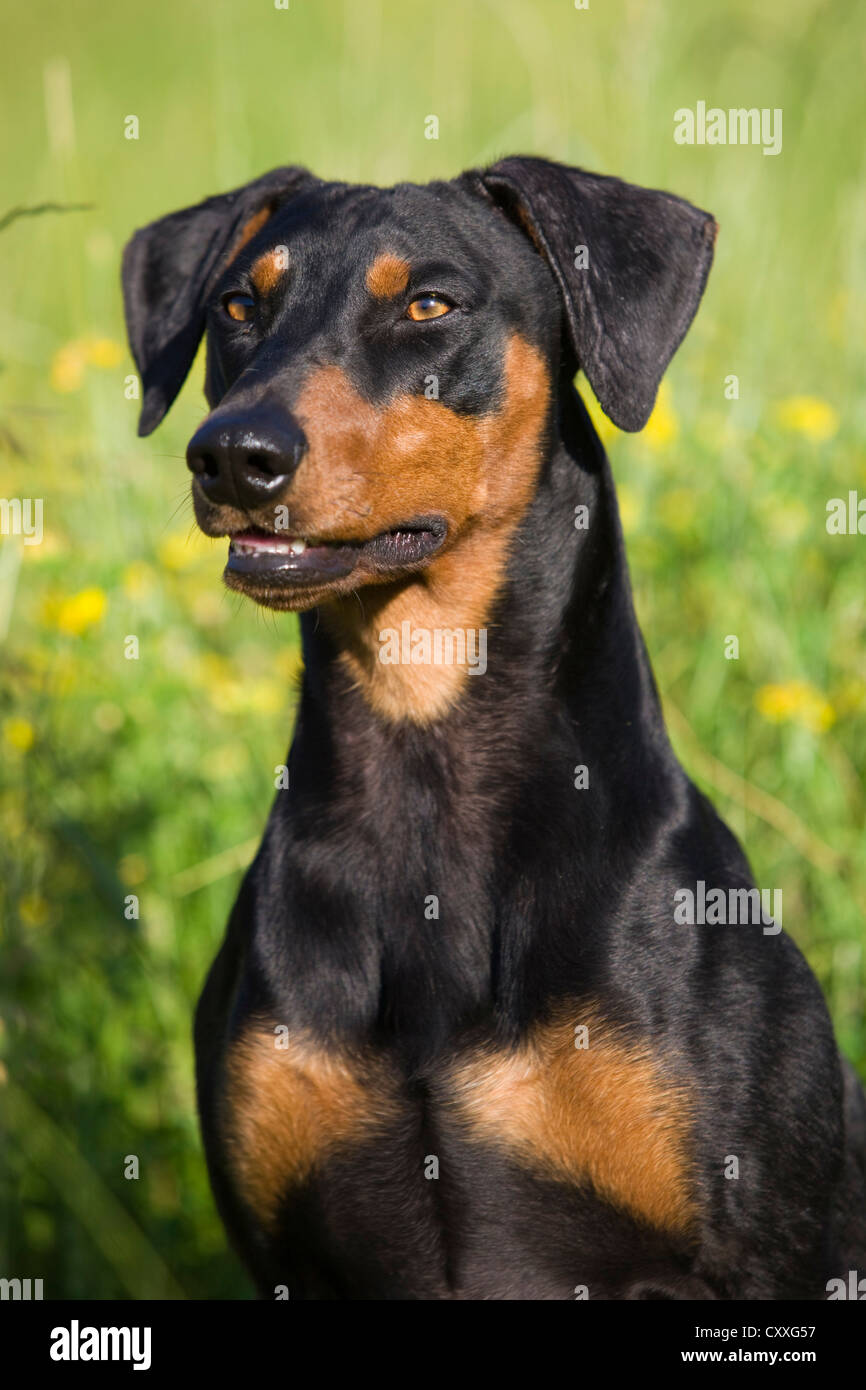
[(169, 268)]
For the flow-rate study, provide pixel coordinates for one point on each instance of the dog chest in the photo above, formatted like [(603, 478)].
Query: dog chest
[(575, 1102)]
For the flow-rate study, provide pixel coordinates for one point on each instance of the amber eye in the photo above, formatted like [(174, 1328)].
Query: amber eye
[(428, 306), (239, 306)]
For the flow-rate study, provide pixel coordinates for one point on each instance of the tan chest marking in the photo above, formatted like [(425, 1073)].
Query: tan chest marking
[(604, 1114), (289, 1108)]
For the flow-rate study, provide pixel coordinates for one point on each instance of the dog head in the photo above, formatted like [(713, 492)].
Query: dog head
[(382, 364)]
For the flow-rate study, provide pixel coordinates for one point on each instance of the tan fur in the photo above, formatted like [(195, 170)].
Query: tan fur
[(369, 469), (387, 276), (249, 230), (288, 1109), (529, 227), (606, 1115), (268, 270)]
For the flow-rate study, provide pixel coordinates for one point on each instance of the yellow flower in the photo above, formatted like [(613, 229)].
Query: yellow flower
[(629, 511), (212, 669), (52, 544), (288, 663), (12, 824), (18, 733), (677, 509), (138, 580), (132, 870), (838, 311), (102, 352), (183, 549), (807, 415), (662, 427), (785, 517), (796, 702), (233, 692), (33, 909), (604, 428), (69, 362), (850, 696), (81, 611), (209, 608), (67, 368), (226, 763), (264, 696), (218, 677), (108, 717)]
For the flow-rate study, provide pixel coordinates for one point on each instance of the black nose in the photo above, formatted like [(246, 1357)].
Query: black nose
[(245, 459)]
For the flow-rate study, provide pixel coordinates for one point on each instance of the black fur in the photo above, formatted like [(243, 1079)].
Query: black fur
[(546, 893)]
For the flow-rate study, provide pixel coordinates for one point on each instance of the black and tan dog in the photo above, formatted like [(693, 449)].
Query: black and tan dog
[(457, 1043)]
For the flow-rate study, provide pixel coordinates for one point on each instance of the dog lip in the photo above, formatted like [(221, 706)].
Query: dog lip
[(288, 559), (261, 535)]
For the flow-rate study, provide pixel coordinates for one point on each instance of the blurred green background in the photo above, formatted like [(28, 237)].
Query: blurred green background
[(154, 776)]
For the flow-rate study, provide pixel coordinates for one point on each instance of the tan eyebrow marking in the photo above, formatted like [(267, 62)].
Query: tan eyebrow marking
[(268, 269), (387, 275), (249, 230)]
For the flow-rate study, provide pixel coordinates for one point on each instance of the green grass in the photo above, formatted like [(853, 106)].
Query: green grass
[(153, 776)]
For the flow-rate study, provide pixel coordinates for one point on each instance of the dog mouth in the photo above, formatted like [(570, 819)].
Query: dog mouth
[(286, 561)]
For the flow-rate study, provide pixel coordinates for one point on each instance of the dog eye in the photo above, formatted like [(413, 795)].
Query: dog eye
[(428, 306), (239, 307)]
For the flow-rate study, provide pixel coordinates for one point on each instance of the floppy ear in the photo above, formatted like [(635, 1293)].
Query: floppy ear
[(168, 270), (647, 259)]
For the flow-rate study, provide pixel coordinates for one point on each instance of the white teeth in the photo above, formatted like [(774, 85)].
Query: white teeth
[(242, 547)]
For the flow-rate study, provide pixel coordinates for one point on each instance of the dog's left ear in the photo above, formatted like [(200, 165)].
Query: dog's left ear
[(169, 268), (631, 264)]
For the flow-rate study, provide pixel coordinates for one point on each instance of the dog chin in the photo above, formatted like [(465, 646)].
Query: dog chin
[(287, 598)]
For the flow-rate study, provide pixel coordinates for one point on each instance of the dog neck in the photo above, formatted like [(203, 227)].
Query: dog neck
[(414, 852), (560, 645)]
